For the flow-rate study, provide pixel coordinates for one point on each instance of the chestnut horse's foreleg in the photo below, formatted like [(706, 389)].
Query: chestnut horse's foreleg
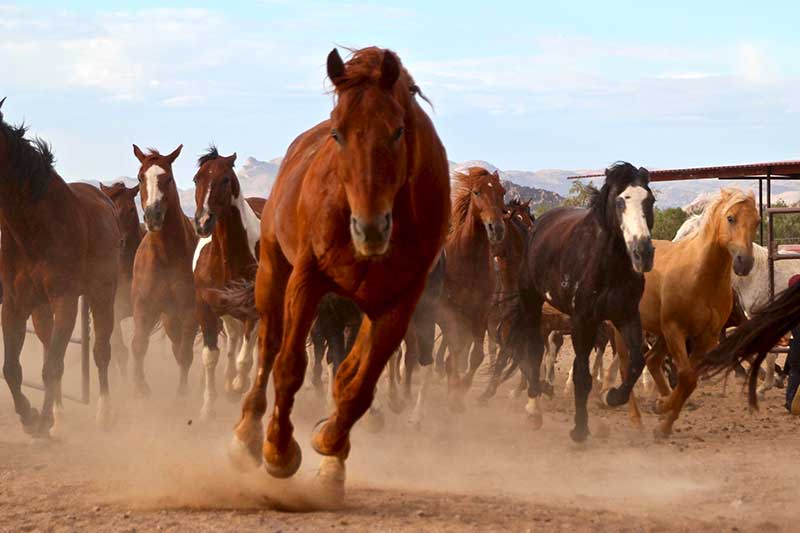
[(410, 357), (145, 317), (530, 361), (234, 332), (101, 304), (318, 348), (624, 358), (424, 339), (476, 354), (303, 293), (631, 331), (119, 351), (655, 365), (583, 340), (65, 311), (209, 326), (244, 360), (354, 388), (15, 312)]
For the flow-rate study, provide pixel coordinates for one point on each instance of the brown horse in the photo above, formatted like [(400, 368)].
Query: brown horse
[(163, 283), (477, 224), (59, 241), (688, 298), (132, 233), (229, 229), (360, 207)]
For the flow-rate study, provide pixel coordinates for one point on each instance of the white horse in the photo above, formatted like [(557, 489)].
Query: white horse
[(753, 289)]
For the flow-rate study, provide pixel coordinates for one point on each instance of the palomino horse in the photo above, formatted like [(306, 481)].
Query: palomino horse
[(688, 297), (589, 264), (163, 284), (477, 222), (59, 241), (132, 232), (229, 227), (360, 207)]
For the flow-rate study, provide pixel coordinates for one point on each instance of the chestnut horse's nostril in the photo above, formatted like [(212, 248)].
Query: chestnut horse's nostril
[(373, 234)]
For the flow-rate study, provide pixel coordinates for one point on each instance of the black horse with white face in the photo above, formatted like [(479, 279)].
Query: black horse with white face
[(588, 263)]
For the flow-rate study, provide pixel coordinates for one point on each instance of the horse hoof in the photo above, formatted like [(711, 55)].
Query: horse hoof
[(396, 405), (579, 435), (660, 433), (32, 424), (660, 406), (536, 421), (375, 421), (245, 456), (240, 384), (104, 417), (331, 477), (288, 463), (141, 390), (547, 389), (613, 398)]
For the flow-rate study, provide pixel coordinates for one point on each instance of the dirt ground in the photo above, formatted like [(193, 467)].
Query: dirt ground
[(160, 469)]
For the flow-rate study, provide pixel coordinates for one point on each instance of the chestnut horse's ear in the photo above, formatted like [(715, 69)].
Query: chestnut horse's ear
[(174, 155), (134, 190), (335, 67), (102, 187), (496, 174), (139, 154), (231, 159), (390, 70)]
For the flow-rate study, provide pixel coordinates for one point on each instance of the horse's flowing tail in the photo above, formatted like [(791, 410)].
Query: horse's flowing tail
[(237, 299), (515, 324), (755, 338)]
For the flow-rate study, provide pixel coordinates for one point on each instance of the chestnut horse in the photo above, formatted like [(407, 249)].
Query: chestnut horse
[(688, 297), (360, 207), (230, 229), (589, 264), (132, 232), (477, 223), (163, 283), (59, 242)]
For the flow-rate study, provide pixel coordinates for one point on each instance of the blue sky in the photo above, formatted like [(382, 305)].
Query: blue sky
[(524, 85)]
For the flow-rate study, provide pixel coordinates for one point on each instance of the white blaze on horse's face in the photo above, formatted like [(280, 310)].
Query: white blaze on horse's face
[(151, 175), (634, 226)]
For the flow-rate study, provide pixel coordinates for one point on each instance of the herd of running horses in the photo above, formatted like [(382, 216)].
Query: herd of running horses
[(363, 246)]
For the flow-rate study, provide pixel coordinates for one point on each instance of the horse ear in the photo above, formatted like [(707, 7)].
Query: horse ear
[(496, 174), (335, 67), (390, 70), (231, 159), (134, 190), (138, 153), (174, 155), (104, 188), (2, 101), (645, 174)]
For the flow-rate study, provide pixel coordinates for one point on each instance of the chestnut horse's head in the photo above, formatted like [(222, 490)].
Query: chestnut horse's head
[(479, 199), (519, 211), (370, 125), (734, 219), (125, 201), (216, 188), (157, 185)]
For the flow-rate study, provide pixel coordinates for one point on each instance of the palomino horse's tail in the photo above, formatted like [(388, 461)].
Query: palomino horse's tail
[(755, 338), (237, 299)]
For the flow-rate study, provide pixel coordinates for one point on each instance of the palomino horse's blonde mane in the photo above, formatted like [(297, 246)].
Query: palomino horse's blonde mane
[(727, 198)]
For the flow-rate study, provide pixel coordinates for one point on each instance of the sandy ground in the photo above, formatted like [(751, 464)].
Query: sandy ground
[(486, 470)]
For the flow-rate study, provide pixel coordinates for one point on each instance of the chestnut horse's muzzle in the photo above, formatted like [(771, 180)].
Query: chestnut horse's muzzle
[(743, 264), (495, 230), (154, 216), (204, 223), (371, 237), (642, 254)]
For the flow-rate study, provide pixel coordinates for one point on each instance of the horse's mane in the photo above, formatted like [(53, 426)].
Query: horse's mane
[(29, 159), (727, 198), (364, 66), (210, 154), (618, 176), (464, 180)]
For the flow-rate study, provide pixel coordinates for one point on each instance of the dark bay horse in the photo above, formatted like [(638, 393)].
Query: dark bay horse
[(589, 264), (59, 242), (163, 283), (124, 199), (360, 208), (229, 227), (477, 223)]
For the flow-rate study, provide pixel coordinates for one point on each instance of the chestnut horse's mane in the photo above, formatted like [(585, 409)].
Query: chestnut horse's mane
[(727, 198), (210, 155), (29, 159), (464, 181), (364, 66)]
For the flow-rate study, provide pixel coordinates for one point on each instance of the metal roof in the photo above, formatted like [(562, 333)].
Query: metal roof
[(776, 169)]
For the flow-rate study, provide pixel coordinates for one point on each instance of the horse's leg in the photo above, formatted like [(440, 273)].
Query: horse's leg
[(611, 372), (583, 337), (318, 343), (410, 358), (303, 293), (42, 318), (655, 365), (476, 354), (631, 331), (554, 342), (355, 387), (15, 312), (65, 311), (396, 403), (687, 379), (145, 317), (597, 368), (530, 361), (439, 357), (624, 359), (244, 360), (424, 339), (234, 332), (188, 333), (457, 341), (119, 351), (769, 375), (209, 325), (101, 304)]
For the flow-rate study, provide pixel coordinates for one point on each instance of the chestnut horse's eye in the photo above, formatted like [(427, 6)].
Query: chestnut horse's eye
[(335, 135), (476, 193), (731, 219), (399, 133)]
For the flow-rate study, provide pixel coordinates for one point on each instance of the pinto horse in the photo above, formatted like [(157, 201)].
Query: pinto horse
[(587, 263), (229, 228), (163, 283), (688, 297), (59, 241), (124, 199), (360, 208), (477, 224)]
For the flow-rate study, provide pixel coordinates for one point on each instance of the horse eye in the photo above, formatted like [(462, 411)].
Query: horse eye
[(398, 133), (226, 180), (731, 219), (335, 135), (476, 193)]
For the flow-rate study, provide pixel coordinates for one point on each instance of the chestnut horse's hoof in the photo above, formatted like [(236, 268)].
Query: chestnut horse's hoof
[(284, 465), (579, 434), (331, 477), (614, 398), (661, 433), (319, 444), (375, 420), (240, 384), (245, 454)]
